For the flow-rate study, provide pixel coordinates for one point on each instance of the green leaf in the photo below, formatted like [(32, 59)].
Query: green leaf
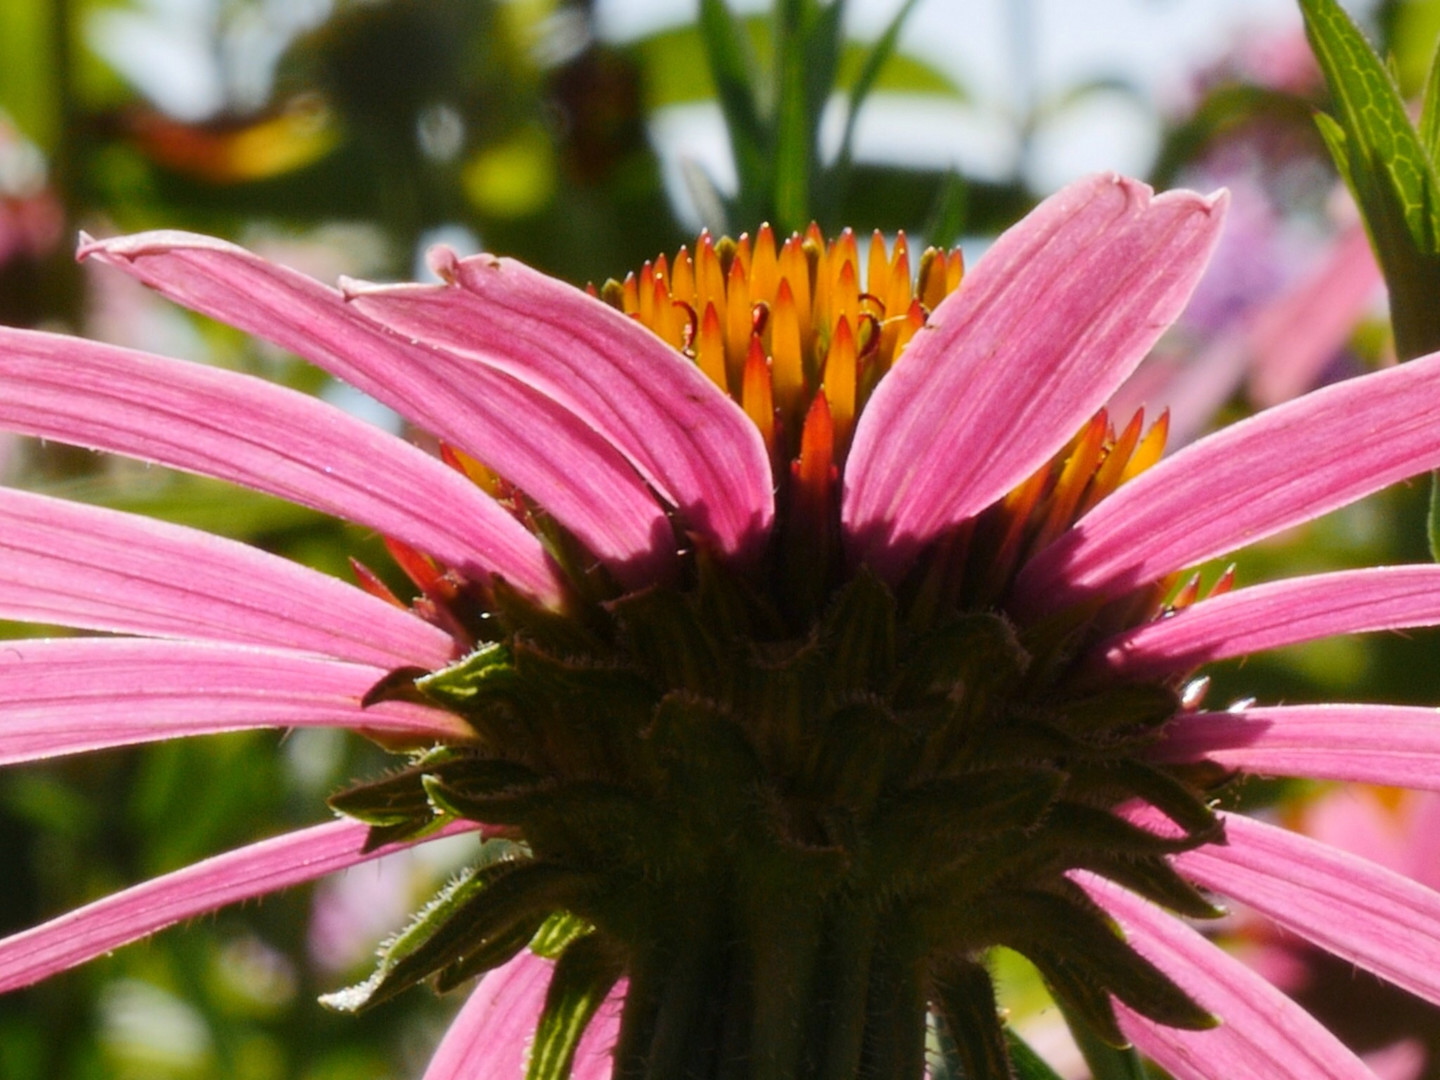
[(583, 977), (876, 59), (1025, 1062), (736, 78), (972, 1021), (946, 220), (463, 681), (1430, 113), (946, 1064), (1086, 962), (28, 75), (879, 59), (874, 62), (424, 926), (392, 799), (1388, 170), (1371, 112), (1153, 878), (560, 931), (808, 43), (1106, 1062), (477, 923), (677, 73), (1413, 26), (1433, 518), (1125, 778), (773, 105)]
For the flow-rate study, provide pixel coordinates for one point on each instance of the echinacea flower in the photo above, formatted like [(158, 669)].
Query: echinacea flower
[(790, 642)]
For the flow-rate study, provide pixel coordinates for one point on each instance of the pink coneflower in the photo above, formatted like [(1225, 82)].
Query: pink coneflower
[(781, 678)]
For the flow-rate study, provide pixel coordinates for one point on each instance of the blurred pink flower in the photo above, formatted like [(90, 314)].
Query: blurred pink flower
[(31, 217), (1398, 1033)]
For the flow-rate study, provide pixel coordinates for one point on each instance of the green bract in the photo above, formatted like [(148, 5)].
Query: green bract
[(788, 834)]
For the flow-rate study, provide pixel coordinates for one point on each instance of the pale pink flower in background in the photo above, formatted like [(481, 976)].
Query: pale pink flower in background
[(1292, 279), (353, 911), (1400, 830), (1280, 304), (31, 217), (645, 462)]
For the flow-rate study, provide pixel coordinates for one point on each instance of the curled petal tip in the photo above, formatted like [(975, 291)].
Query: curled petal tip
[(443, 262), (1214, 205)]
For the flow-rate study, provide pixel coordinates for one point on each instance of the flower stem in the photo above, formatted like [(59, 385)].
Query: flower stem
[(782, 987)]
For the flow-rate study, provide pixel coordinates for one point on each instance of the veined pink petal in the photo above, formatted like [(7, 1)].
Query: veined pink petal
[(1287, 465), (686, 437), (490, 1037), (65, 695), (1277, 613), (1263, 1035), (267, 437), (1052, 319), (519, 430), (1349, 906), (1372, 744), (137, 912), (99, 569)]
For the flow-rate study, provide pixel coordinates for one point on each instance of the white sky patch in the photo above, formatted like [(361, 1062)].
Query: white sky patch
[(1009, 66)]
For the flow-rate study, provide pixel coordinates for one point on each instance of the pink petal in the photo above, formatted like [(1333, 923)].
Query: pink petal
[(139, 911), (84, 566), (1263, 1035), (686, 437), (1287, 465), (267, 437), (1373, 744), (490, 1037), (1349, 906), (516, 429), (65, 695), (1275, 614), (1041, 332)]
